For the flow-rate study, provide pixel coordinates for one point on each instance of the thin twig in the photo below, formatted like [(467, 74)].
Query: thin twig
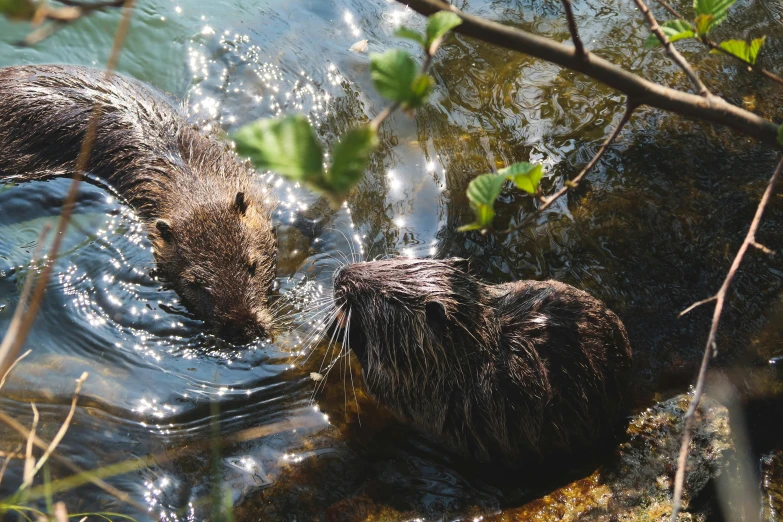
[(629, 108), (18, 337), (697, 304), (578, 47), (673, 53), (713, 45), (709, 349)]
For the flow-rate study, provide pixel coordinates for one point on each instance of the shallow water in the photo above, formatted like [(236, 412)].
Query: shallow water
[(653, 230)]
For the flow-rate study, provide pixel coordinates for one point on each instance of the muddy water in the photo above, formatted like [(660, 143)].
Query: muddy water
[(654, 229)]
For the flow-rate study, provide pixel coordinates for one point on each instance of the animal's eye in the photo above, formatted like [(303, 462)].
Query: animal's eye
[(252, 268)]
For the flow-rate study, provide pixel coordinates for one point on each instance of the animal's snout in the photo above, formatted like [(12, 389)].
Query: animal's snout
[(244, 325)]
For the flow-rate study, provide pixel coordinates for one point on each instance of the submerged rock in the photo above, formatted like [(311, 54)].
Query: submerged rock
[(772, 487), (637, 483)]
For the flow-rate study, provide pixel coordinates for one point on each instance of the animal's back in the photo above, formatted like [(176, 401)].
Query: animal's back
[(140, 142)]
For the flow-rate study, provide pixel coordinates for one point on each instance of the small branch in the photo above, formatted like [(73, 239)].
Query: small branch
[(763, 248), (697, 304), (752, 66), (547, 202), (720, 298), (713, 45), (671, 10), (673, 53), (8, 456), (578, 47)]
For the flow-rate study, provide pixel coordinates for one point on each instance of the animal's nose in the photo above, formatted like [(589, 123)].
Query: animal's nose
[(244, 326)]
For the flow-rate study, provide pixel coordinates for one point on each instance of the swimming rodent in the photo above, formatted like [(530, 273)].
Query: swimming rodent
[(207, 218), (512, 373)]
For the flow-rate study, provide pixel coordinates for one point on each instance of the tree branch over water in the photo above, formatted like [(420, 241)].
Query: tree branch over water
[(573, 183), (642, 91), (711, 347)]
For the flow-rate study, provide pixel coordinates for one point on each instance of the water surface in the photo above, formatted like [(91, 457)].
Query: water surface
[(654, 229)]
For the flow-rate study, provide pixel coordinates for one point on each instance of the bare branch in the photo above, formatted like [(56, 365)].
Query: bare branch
[(763, 248), (710, 347), (578, 47), (642, 91), (673, 53), (697, 304), (547, 202)]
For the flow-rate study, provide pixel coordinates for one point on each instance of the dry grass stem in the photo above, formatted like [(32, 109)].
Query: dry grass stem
[(12, 455), (8, 348), (709, 349), (64, 428), (42, 444), (13, 365), (60, 513), (29, 461)]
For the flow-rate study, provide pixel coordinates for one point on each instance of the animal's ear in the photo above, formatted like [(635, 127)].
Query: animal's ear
[(461, 263), (240, 205), (436, 313), (164, 229)]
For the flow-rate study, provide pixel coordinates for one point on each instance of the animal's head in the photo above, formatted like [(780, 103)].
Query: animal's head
[(218, 250), (408, 319)]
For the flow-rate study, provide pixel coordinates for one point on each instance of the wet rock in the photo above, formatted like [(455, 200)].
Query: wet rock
[(772, 487), (636, 484)]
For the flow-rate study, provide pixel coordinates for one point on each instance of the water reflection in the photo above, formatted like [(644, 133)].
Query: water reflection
[(641, 235)]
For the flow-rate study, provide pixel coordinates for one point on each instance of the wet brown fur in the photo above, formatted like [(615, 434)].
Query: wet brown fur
[(208, 220), (510, 373)]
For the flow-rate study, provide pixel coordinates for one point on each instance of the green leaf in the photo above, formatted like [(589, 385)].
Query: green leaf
[(482, 193), (410, 34), (350, 158), (674, 30), (287, 146), (524, 175), (780, 135), (717, 8), (438, 25), (420, 89), (741, 49), (704, 24), (393, 73), (17, 9)]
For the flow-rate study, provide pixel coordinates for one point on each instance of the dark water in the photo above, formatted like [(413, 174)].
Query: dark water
[(654, 229)]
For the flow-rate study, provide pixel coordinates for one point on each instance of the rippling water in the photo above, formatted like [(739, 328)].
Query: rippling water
[(654, 229)]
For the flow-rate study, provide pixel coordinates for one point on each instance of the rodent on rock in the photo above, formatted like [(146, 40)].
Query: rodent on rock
[(208, 220), (512, 373)]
